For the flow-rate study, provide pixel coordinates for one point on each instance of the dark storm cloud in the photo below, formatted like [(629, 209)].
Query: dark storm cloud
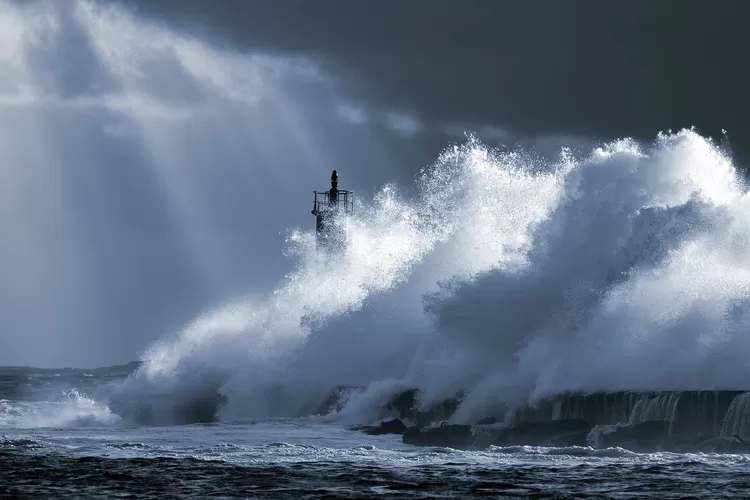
[(596, 68)]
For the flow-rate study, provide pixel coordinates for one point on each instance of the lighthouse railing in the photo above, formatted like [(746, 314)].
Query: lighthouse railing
[(345, 200)]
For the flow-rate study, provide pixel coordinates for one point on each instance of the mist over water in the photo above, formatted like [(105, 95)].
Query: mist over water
[(504, 274)]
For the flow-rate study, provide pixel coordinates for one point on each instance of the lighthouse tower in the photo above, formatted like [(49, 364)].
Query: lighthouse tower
[(327, 206)]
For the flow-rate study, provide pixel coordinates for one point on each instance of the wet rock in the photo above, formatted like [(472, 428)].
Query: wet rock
[(543, 433), (563, 433), (336, 399), (550, 427), (487, 421), (395, 426), (577, 438), (646, 436), (406, 405), (440, 411), (449, 435)]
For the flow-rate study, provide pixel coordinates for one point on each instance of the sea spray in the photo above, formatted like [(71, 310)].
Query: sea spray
[(622, 291), (253, 348), (70, 409), (621, 269), (261, 353), (510, 277)]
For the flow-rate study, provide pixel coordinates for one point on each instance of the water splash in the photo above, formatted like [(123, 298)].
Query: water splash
[(509, 278), (72, 409)]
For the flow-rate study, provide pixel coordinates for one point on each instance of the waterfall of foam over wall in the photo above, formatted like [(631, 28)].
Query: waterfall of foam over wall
[(507, 277)]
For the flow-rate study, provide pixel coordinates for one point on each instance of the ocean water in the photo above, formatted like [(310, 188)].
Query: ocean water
[(504, 273), (56, 441)]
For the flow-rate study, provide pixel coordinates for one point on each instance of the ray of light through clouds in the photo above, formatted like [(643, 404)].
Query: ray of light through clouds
[(147, 174)]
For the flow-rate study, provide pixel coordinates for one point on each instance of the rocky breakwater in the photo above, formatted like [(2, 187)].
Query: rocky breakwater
[(680, 421)]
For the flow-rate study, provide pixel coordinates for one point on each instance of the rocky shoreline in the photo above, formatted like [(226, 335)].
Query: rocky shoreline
[(679, 421)]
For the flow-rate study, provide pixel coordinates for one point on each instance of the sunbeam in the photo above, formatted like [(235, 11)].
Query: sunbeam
[(139, 162)]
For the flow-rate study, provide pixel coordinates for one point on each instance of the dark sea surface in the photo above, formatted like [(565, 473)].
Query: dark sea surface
[(58, 441)]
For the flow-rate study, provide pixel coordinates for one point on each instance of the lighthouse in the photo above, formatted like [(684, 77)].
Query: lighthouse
[(327, 207)]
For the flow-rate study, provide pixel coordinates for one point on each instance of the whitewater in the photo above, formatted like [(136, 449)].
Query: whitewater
[(506, 277), (501, 278)]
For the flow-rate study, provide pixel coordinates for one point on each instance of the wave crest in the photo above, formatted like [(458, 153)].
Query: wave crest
[(505, 277)]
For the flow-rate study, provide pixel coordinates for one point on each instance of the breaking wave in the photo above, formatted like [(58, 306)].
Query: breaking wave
[(508, 277), (72, 409)]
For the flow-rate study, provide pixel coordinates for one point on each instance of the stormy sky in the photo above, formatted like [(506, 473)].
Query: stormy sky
[(150, 171), (580, 67)]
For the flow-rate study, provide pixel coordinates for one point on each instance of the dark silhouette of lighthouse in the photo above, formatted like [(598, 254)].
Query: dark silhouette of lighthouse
[(327, 206)]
